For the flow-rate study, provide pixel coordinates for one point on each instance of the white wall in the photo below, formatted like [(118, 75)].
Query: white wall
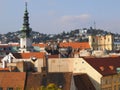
[(81, 66), (75, 65), (60, 65)]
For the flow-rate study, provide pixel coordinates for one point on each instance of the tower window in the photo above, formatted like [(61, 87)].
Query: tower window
[(24, 46), (93, 40)]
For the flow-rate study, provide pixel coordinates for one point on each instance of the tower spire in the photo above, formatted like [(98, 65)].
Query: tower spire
[(26, 39), (26, 5), (25, 28)]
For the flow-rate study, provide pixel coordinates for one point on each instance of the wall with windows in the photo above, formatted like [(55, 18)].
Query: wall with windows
[(101, 42), (110, 82), (93, 42), (60, 65)]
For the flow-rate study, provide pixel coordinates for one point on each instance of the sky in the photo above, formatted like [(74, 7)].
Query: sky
[(56, 16)]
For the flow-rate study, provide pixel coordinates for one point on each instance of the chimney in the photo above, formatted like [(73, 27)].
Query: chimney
[(9, 59), (3, 64), (10, 68), (44, 70), (118, 69)]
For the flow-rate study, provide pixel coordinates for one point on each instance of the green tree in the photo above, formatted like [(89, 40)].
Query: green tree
[(50, 86)]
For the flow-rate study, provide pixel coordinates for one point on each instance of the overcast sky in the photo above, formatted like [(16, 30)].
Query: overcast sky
[(56, 16)]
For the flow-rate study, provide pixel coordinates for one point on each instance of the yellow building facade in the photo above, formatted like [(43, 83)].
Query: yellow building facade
[(101, 42), (111, 82)]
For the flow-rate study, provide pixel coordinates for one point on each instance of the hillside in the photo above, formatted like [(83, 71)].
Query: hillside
[(79, 35)]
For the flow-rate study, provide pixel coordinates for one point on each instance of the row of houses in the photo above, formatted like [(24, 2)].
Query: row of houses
[(105, 42), (87, 73)]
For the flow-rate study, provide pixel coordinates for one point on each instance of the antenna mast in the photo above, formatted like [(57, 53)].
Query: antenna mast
[(94, 25)]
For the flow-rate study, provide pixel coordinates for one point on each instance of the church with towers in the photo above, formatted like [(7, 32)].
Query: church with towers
[(26, 37)]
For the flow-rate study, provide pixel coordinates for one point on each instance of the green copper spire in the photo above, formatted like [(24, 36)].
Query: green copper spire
[(26, 30)]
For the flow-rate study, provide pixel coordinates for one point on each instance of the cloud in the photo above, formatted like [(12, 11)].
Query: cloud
[(71, 22), (77, 18)]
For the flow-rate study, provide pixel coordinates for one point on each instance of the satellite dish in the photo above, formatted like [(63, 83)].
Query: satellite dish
[(34, 59)]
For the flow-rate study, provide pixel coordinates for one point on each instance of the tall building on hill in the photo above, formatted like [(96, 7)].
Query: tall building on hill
[(26, 38)]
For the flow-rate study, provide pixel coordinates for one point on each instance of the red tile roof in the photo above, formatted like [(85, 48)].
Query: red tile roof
[(12, 79), (83, 82), (4, 45), (82, 45), (40, 45), (105, 66), (34, 80), (29, 55), (14, 44), (17, 44), (9, 45), (4, 69), (53, 56)]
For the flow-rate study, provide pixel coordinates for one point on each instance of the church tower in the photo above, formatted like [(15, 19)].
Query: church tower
[(25, 37)]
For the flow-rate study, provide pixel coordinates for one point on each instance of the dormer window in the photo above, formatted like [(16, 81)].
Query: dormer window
[(101, 68), (10, 88), (111, 67)]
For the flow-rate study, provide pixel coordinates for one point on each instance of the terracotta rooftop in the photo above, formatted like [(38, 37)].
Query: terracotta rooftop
[(12, 79), (29, 55), (4, 69), (33, 80), (17, 44), (63, 79), (83, 45), (105, 66), (4, 45), (53, 56), (8, 45), (14, 44), (40, 45), (82, 82)]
